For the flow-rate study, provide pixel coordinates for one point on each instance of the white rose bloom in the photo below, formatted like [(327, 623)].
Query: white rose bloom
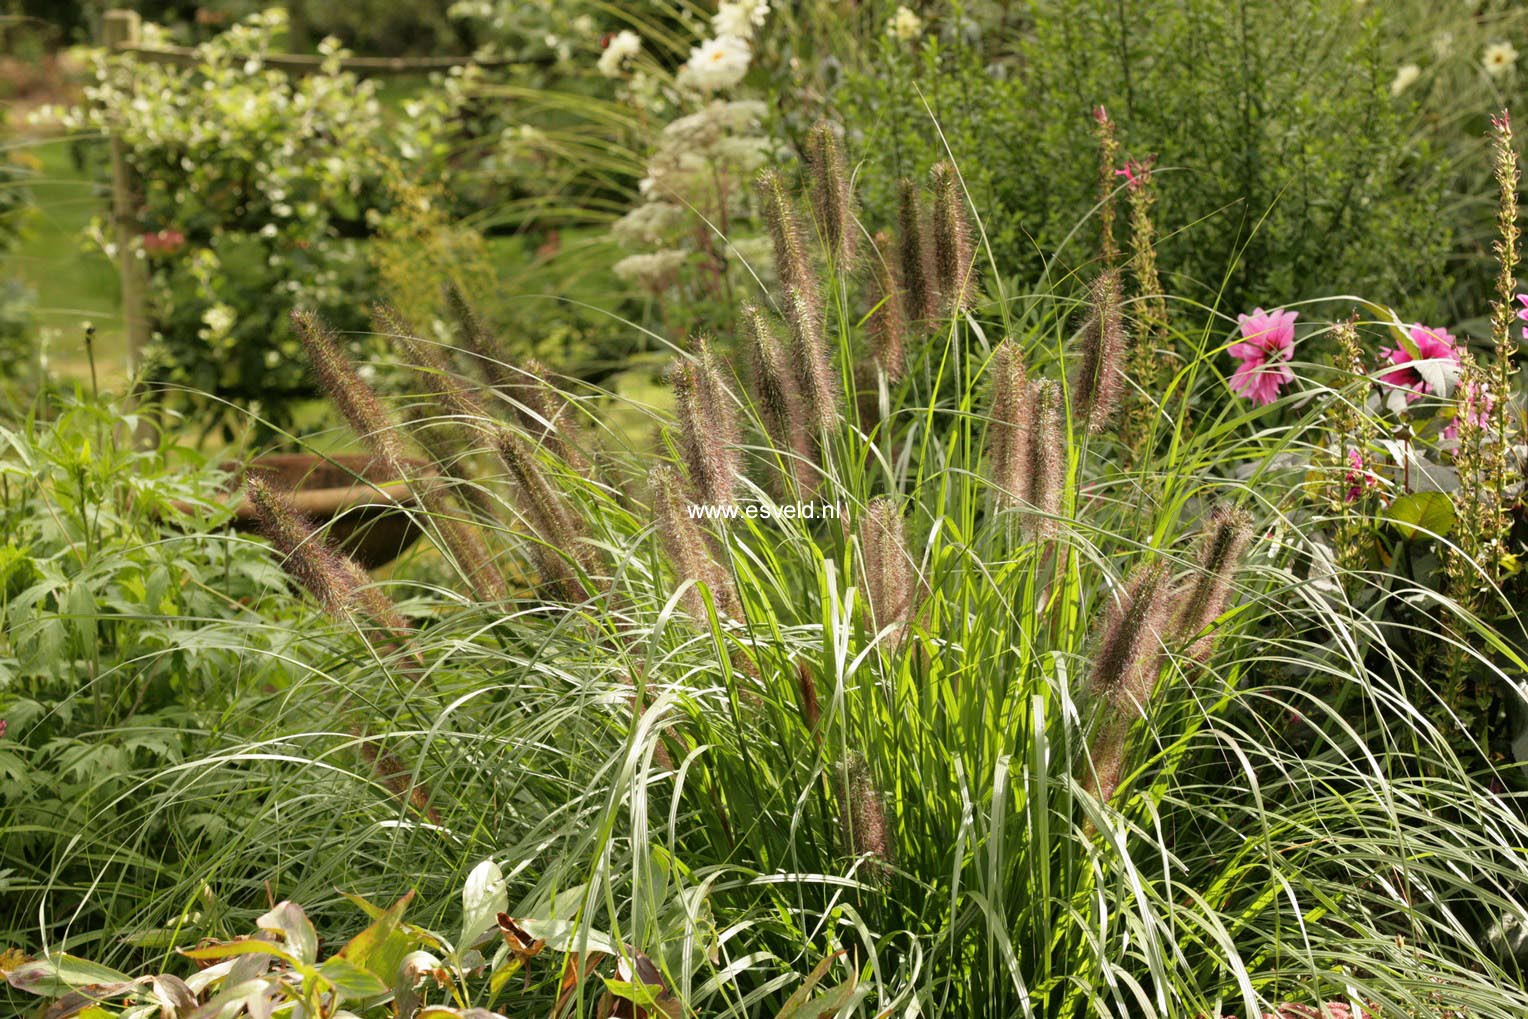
[(904, 25), (740, 18), (716, 64), (1405, 76), (622, 48), (1498, 58)]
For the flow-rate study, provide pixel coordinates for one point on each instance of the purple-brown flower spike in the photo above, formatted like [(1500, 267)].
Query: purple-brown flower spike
[(430, 364), (832, 199), (1129, 656), (793, 264), (1009, 420), (914, 255), (1099, 378), (888, 323), (487, 356), (688, 548), (353, 397), (862, 810), (1221, 549), (781, 403), (708, 432), (1106, 755), (814, 368), (954, 254), (332, 578), (1045, 460), (546, 414), (552, 522), (889, 572)]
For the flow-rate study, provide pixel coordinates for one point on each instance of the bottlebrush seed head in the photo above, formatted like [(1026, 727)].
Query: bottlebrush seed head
[(1099, 379), (487, 356), (548, 516), (811, 712), (1221, 549), (862, 811), (1106, 756), (687, 547), (708, 432), (545, 413), (1009, 419), (1045, 460), (888, 324), (430, 364), (832, 200), (889, 579), (1129, 655), (915, 257), (954, 256), (792, 263), (814, 369), (356, 401), (781, 403)]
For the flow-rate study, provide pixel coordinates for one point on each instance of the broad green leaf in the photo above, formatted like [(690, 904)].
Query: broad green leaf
[(484, 897), (350, 980), (288, 919), (60, 974), (381, 947), (1422, 514), (231, 948)]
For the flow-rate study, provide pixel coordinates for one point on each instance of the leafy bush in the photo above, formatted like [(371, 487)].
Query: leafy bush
[(1299, 175), (260, 189), (117, 660)]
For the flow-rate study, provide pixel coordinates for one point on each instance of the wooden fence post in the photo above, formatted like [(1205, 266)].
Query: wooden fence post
[(120, 31)]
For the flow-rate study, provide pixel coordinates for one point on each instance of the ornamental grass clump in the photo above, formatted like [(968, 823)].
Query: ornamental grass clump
[(981, 776)]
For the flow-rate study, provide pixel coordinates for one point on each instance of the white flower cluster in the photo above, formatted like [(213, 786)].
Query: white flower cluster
[(905, 25), (620, 51), (739, 18), (716, 64)]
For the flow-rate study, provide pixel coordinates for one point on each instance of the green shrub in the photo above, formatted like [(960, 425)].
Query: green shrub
[(1293, 172)]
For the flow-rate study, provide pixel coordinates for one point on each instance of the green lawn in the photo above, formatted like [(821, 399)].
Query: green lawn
[(74, 283)]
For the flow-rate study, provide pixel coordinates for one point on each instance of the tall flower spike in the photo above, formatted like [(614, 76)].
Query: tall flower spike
[(1220, 552), (487, 356), (1106, 755), (1009, 419), (863, 812), (793, 264), (1045, 459), (372, 425), (708, 432), (914, 256), (814, 369), (781, 403), (888, 324), (832, 199), (889, 580), (1108, 159), (430, 364), (545, 413), (687, 546), (354, 398), (552, 522), (954, 255), (1099, 380), (1129, 656)]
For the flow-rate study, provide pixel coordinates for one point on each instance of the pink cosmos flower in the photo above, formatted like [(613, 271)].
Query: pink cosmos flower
[(1268, 341), (1414, 374)]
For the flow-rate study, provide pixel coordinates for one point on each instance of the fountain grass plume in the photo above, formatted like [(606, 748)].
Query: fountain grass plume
[(688, 548), (1099, 380), (1130, 652), (487, 356), (862, 815), (954, 254), (889, 572), (914, 257), (1044, 461), (552, 521), (888, 322), (708, 430), (793, 263), (546, 415), (832, 198), (1009, 417), (781, 403), (813, 365), (1225, 541)]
